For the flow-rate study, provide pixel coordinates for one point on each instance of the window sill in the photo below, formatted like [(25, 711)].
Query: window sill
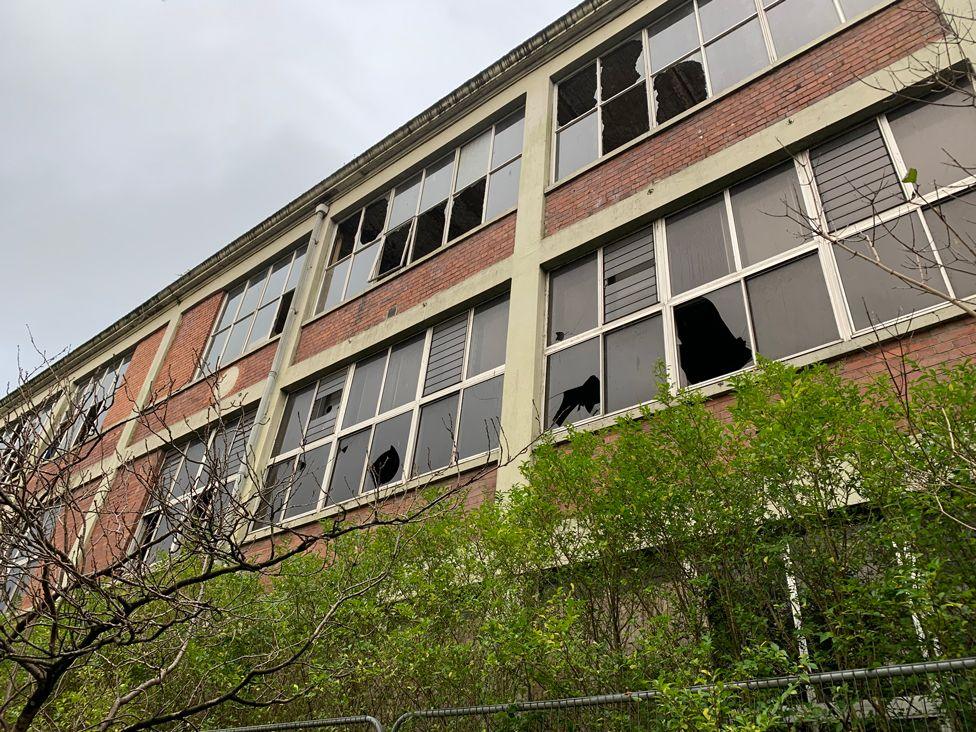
[(906, 325), (426, 258), (691, 111), (377, 495)]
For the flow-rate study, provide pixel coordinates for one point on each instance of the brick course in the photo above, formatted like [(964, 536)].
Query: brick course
[(841, 61), (441, 272)]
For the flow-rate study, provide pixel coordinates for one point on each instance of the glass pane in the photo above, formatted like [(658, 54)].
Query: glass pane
[(856, 7), (503, 190), (678, 88), (713, 335), (794, 23), (405, 202), (296, 417), (402, 374), (325, 408), (572, 299), (791, 309), (625, 118), (236, 340), (467, 210), (335, 281), (577, 95), (481, 409), (766, 209), (276, 283), (573, 384), (192, 463), (429, 233), (251, 295), (437, 184), (272, 494), (362, 268), (699, 246), (364, 392), (263, 321), (309, 477), (489, 332), (435, 438), (735, 56), (388, 453), (873, 295), (508, 139), (576, 146), (935, 136), (374, 218), (230, 311), (296, 270), (346, 237), (719, 15), (634, 358), (350, 462), (621, 68), (953, 227), (630, 275), (673, 37), (474, 160)]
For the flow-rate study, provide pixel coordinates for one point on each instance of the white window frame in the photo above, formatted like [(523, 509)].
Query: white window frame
[(85, 394)]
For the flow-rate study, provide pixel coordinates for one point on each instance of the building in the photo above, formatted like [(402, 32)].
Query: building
[(625, 188)]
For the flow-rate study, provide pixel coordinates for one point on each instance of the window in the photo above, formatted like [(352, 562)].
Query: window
[(745, 275), (197, 480), (921, 230), (415, 407), (22, 549), (253, 311), (697, 50), (472, 184), (93, 397), (18, 439)]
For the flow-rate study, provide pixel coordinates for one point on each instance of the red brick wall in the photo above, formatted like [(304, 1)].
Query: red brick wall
[(135, 377), (866, 47), (200, 396), (413, 287), (184, 354)]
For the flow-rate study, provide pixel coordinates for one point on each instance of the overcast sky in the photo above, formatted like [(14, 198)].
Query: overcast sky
[(139, 137)]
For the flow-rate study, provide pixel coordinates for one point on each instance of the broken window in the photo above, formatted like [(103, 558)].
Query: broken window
[(254, 311), (388, 453), (699, 245), (795, 23), (935, 137), (769, 214), (791, 310), (572, 299), (474, 183), (573, 389), (873, 295), (713, 335), (678, 88)]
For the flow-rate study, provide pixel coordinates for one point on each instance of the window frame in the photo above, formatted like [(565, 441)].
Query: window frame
[(420, 178), (72, 430), (647, 23), (414, 407), (203, 368)]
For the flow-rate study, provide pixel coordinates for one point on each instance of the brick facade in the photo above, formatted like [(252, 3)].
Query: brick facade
[(441, 272), (841, 61)]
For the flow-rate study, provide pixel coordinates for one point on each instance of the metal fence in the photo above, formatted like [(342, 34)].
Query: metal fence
[(938, 696), (318, 724)]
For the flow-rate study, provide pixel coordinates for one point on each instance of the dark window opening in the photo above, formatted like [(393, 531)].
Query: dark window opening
[(386, 457), (625, 118), (713, 335), (374, 218), (467, 210), (283, 307), (430, 232), (577, 95), (679, 88), (393, 250), (345, 238), (622, 68)]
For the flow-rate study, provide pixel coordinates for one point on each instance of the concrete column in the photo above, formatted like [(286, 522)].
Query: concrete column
[(523, 396)]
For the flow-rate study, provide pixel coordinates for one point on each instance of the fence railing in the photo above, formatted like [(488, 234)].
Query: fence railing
[(932, 696)]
